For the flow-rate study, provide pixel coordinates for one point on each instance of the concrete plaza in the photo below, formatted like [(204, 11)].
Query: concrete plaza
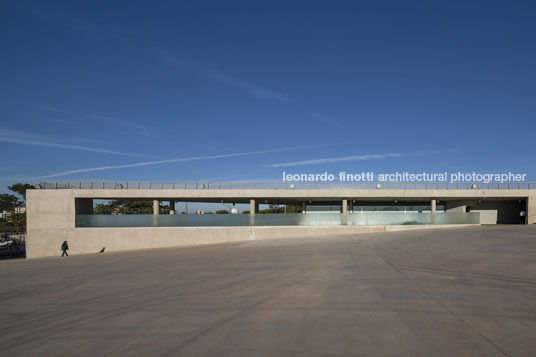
[(454, 292)]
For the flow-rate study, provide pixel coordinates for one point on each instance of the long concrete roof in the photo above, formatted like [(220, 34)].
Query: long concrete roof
[(296, 195)]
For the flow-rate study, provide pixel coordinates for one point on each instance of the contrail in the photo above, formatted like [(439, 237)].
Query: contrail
[(224, 78), (6, 139), (349, 158), (148, 163)]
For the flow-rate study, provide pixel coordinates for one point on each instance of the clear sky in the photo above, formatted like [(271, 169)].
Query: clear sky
[(242, 91)]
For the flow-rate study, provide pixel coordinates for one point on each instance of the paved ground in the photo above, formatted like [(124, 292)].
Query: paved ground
[(459, 292)]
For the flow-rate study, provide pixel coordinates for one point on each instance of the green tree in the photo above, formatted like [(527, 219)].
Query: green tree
[(128, 207), (222, 211), (294, 208), (16, 220), (273, 209), (8, 202), (279, 209), (20, 189)]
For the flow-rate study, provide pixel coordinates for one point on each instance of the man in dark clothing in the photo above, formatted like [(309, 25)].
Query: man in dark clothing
[(522, 216), (64, 248)]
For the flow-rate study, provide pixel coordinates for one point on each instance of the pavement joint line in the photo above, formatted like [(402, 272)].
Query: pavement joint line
[(469, 275), (182, 344), (442, 305)]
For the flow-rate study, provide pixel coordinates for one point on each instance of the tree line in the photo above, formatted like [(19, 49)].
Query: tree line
[(8, 202), (146, 207)]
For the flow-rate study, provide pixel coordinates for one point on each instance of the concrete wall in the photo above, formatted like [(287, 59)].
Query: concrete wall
[(491, 212), (531, 210), (50, 217), (91, 240)]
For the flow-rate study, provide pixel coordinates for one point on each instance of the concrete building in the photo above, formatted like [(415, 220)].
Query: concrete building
[(64, 211)]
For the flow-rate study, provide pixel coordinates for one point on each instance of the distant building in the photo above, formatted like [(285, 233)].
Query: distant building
[(17, 209), (20, 208)]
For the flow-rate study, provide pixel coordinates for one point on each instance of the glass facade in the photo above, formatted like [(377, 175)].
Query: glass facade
[(365, 218)]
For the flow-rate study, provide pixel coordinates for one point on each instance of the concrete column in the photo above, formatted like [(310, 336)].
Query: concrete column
[(344, 220), (252, 210), (171, 207), (531, 210), (156, 207), (252, 207), (433, 204)]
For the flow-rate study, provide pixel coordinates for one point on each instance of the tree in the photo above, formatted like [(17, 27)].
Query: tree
[(279, 209), (16, 220), (294, 209), (8, 202), (222, 211), (20, 189), (128, 207), (273, 209)]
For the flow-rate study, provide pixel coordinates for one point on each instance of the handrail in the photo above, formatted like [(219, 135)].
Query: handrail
[(203, 185)]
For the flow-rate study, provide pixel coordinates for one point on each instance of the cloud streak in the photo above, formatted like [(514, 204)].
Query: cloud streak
[(248, 87), (326, 120), (144, 130), (214, 74), (159, 162), (16, 137), (348, 158), (69, 23)]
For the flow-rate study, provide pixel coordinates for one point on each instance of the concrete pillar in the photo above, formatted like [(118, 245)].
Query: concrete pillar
[(531, 210), (156, 207), (252, 207), (252, 210), (344, 220), (433, 205), (171, 207)]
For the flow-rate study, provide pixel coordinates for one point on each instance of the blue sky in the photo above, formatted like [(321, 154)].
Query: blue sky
[(230, 90)]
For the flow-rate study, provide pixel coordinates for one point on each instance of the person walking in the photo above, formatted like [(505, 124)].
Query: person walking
[(522, 216), (64, 248)]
